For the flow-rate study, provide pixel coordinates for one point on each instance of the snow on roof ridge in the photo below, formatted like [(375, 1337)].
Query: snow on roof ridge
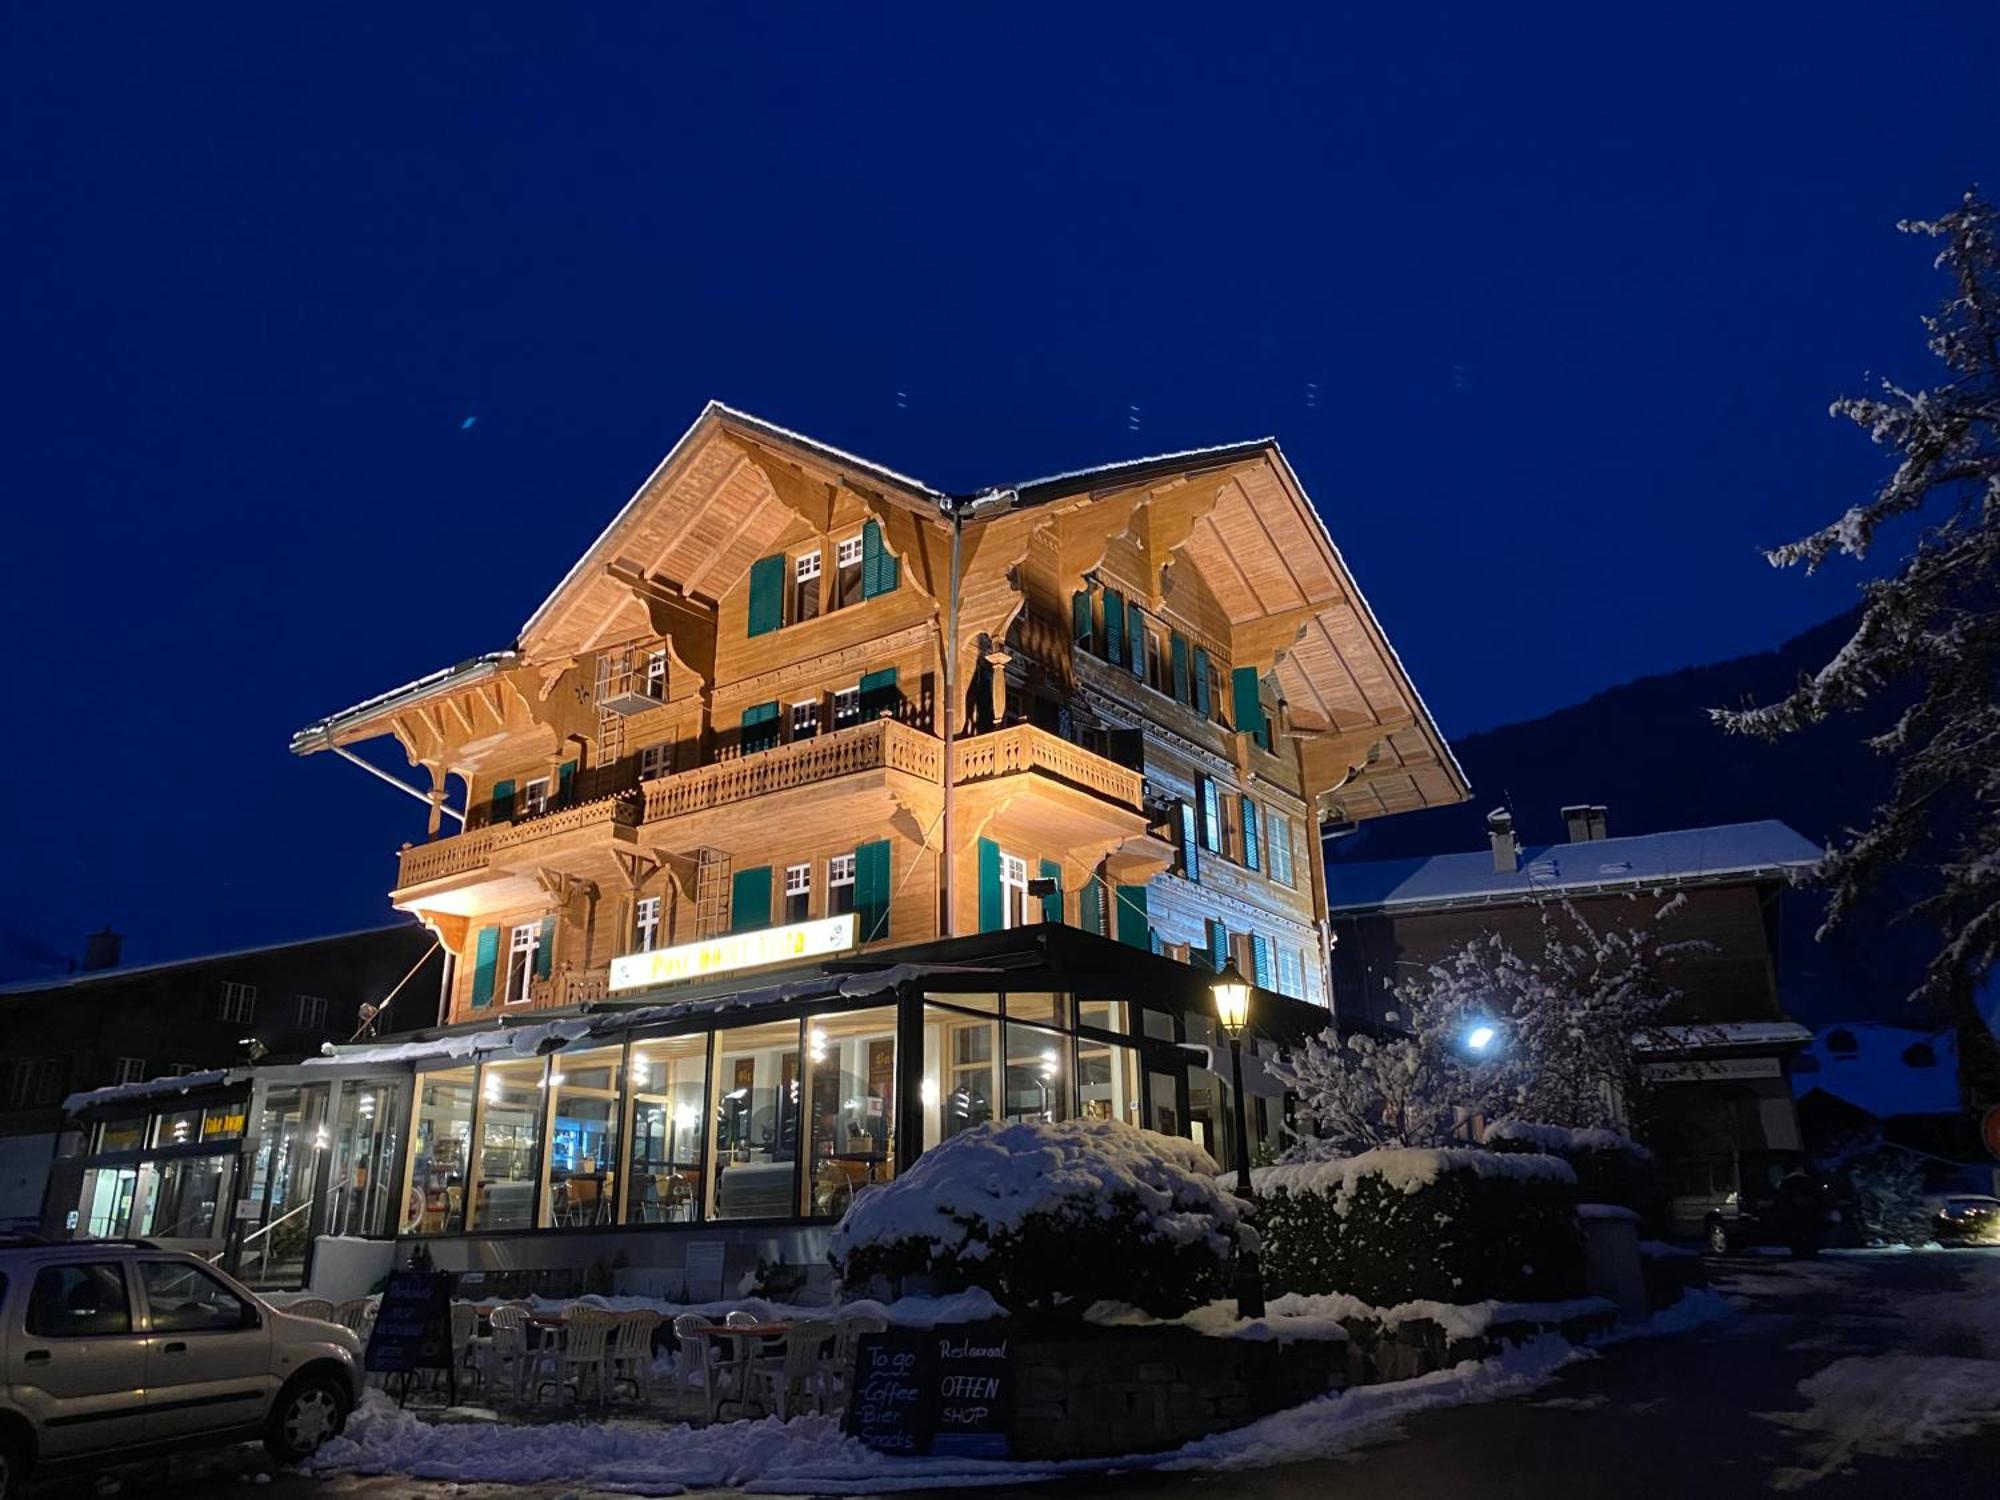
[(151, 1088), (124, 971), (1093, 470)]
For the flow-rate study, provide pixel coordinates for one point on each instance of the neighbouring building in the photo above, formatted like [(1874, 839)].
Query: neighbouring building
[(1859, 1080), (1725, 1093), (818, 813), (108, 1026)]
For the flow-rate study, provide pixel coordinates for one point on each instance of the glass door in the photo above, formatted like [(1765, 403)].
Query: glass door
[(291, 1145)]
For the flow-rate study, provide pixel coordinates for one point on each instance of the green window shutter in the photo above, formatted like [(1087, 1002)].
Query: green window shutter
[(1190, 842), (1218, 945), (1260, 960), (881, 570), (878, 691), (1133, 928), (991, 913), (1250, 706), (1201, 681), (503, 800), (1079, 619), (767, 594), (545, 950), (871, 890), (760, 727), (1251, 852), (750, 899), (565, 782), (1052, 903), (1179, 646), (1090, 906), (1114, 626), (485, 960), (1135, 637)]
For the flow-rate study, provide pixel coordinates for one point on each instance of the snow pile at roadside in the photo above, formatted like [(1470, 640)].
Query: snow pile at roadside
[(973, 1305), (1406, 1169), (989, 1179), (1323, 1315)]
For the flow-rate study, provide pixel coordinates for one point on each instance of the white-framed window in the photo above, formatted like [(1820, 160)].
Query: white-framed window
[(805, 719), (1278, 846), (805, 585), (522, 945), (798, 892), (840, 885), (656, 675), (311, 1012), (847, 572), (34, 1080), (1014, 891), (239, 1002), (534, 798), (1291, 972), (656, 760), (129, 1070), (847, 706), (646, 924)]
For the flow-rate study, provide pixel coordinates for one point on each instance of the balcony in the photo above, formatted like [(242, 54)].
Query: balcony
[(884, 745), (1024, 748), (480, 847)]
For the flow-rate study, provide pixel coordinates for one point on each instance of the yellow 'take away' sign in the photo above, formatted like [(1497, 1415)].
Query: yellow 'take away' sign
[(736, 950)]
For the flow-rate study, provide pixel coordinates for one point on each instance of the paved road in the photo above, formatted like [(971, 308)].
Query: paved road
[(1888, 1348)]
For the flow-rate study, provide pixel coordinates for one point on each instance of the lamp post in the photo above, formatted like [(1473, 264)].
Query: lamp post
[(1232, 1009)]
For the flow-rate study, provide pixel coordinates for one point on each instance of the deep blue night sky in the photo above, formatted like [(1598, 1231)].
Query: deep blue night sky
[(1547, 314)]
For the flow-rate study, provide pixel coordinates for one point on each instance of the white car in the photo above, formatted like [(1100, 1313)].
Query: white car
[(112, 1350)]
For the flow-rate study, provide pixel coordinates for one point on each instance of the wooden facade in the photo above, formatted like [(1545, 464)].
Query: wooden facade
[(1155, 680)]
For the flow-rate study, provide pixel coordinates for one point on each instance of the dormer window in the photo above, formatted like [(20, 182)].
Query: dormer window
[(656, 676), (805, 586)]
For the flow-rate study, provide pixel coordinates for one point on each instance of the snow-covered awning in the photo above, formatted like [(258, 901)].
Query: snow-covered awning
[(152, 1088)]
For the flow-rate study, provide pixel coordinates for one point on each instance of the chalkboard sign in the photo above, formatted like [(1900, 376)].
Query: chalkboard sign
[(412, 1325), (933, 1390)]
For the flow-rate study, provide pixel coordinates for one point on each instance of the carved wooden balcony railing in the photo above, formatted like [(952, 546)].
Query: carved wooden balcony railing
[(478, 847), (1023, 747), (567, 987), (882, 745)]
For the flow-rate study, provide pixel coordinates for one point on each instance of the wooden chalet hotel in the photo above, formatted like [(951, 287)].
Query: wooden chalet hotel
[(815, 816)]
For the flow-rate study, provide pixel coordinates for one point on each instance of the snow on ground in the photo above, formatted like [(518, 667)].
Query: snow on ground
[(1320, 1315), (1942, 1381)]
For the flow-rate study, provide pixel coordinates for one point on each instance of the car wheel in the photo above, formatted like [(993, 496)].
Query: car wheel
[(307, 1416), (13, 1467), (1718, 1237)]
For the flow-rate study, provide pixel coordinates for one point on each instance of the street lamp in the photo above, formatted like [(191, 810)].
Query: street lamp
[(1232, 1009)]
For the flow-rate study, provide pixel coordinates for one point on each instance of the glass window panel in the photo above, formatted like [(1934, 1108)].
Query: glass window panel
[(1107, 1081), (185, 1299), (1104, 1015), (106, 1203), (756, 1103), (177, 1127), (80, 1302), (440, 1148), (1042, 1008), (669, 1120), (182, 1203), (510, 1138), (223, 1121), (367, 1126), (989, 1003), (122, 1135), (1163, 1111), (583, 1143), (961, 1080), (1037, 1074), (851, 1106), (1157, 1024)]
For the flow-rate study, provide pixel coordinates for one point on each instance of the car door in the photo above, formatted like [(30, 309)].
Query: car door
[(76, 1360), (209, 1361)]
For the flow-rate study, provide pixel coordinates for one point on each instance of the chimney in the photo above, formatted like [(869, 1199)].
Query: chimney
[(1500, 830), (1584, 822), (101, 950)]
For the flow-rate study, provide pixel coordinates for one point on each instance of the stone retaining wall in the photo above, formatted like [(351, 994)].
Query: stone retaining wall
[(1113, 1391)]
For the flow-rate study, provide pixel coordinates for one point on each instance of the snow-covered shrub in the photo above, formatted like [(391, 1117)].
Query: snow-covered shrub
[(1449, 1225), (1610, 1168), (1050, 1218), (1888, 1197)]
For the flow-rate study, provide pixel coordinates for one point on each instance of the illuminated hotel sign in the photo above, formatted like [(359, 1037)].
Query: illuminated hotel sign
[(735, 950)]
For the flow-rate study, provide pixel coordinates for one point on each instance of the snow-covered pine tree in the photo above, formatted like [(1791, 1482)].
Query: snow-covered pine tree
[(1933, 629), (1568, 1025)]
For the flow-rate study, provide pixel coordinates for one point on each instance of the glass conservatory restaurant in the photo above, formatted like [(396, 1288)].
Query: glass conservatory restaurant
[(747, 1111)]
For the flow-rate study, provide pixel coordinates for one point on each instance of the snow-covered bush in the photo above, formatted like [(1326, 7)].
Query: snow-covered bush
[(1609, 1167), (1050, 1218), (1393, 1226), (1888, 1197)]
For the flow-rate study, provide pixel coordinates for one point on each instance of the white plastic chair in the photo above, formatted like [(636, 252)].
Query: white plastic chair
[(632, 1352), (698, 1366), (740, 1319), (310, 1307), (798, 1381), (847, 1349), (583, 1357), (508, 1349)]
